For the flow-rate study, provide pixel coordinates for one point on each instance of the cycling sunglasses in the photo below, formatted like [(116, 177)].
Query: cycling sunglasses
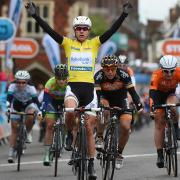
[(166, 71), (79, 28), (106, 68), (61, 78), (21, 82)]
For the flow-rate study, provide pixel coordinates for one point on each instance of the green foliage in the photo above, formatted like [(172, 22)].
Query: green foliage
[(99, 25)]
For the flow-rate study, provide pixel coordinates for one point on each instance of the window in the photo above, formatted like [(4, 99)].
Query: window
[(29, 26)]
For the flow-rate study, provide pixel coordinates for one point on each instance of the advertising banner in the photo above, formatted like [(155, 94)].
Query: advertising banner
[(52, 50)]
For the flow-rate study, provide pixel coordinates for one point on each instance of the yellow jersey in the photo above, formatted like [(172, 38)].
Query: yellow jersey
[(81, 58)]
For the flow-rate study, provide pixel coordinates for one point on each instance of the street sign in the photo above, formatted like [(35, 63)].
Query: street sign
[(171, 46), (22, 48), (7, 29)]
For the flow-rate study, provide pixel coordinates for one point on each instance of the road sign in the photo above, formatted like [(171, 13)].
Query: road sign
[(171, 46), (7, 29), (22, 48)]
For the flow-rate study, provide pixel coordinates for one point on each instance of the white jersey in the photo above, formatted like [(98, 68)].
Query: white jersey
[(24, 95)]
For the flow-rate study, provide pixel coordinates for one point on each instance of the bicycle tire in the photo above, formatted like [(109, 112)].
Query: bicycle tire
[(19, 146), (173, 151), (82, 173), (57, 148), (110, 159), (167, 161)]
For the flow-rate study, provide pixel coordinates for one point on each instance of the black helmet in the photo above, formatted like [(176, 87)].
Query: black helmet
[(123, 59), (110, 60), (61, 71)]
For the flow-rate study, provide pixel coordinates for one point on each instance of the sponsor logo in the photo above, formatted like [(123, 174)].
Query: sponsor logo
[(78, 68), (74, 48), (21, 48), (172, 47), (84, 61), (7, 29)]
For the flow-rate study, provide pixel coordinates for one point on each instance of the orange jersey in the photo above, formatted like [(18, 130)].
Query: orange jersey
[(158, 82), (130, 71)]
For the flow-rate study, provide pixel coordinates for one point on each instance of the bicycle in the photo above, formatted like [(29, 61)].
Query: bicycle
[(108, 155), (79, 152), (22, 135), (58, 138), (170, 141)]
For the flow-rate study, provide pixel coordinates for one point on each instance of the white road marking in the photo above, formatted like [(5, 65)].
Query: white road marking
[(66, 160)]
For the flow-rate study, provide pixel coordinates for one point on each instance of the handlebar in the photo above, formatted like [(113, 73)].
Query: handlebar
[(163, 106)]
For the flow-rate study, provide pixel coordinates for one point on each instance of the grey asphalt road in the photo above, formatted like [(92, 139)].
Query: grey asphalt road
[(139, 161)]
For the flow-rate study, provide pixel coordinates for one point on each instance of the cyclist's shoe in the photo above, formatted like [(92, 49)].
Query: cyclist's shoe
[(99, 143), (177, 131), (11, 155), (47, 159), (160, 161), (69, 140), (29, 138), (99, 155), (119, 161), (91, 170)]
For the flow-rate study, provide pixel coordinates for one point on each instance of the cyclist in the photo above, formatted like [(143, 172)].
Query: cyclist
[(112, 85), (53, 100), (81, 54), (162, 90), (123, 64), (21, 96)]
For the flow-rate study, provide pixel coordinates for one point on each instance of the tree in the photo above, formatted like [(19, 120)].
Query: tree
[(99, 25)]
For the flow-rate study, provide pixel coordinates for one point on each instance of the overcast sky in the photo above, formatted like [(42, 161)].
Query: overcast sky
[(155, 9)]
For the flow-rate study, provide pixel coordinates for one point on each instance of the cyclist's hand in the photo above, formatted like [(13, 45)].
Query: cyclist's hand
[(152, 114), (139, 107), (39, 116), (31, 9), (8, 111), (127, 7)]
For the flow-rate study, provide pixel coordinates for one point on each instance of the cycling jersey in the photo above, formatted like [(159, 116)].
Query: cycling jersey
[(161, 88), (53, 95), (159, 82), (81, 58), (131, 73), (54, 90), (115, 90), (22, 98)]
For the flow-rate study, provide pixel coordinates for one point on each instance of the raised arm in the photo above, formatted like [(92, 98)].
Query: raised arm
[(32, 10), (126, 9)]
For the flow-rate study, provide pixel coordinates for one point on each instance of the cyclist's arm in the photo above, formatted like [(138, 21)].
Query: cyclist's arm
[(57, 37), (104, 37), (47, 99), (36, 101), (135, 98)]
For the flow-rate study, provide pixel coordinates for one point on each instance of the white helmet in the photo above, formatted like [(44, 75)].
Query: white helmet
[(168, 62), (82, 20), (22, 75), (123, 59)]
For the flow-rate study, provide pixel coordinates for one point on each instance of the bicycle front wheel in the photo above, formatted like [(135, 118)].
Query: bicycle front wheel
[(110, 157), (58, 138), (173, 151), (82, 171)]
